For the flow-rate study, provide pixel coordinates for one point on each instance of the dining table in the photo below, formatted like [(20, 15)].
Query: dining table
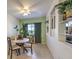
[(21, 43), (24, 40)]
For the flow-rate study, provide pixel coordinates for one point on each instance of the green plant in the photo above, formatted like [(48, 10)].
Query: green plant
[(64, 6), (23, 31)]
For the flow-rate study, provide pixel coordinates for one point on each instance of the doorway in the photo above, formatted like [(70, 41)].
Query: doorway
[(37, 32), (34, 30)]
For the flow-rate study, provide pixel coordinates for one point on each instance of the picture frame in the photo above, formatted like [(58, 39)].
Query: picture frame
[(54, 22), (47, 29)]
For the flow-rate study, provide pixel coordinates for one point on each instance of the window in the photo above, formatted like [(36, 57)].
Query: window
[(31, 29)]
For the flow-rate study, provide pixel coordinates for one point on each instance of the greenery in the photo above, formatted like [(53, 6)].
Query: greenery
[(64, 6), (23, 31)]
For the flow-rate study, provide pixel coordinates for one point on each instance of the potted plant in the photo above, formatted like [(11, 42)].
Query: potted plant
[(23, 31)]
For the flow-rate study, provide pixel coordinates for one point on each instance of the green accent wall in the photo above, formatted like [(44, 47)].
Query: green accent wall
[(37, 20)]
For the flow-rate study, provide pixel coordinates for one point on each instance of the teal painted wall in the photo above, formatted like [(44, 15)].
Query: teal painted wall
[(37, 20)]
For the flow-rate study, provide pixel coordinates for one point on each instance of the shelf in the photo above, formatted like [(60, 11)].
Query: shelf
[(64, 21), (69, 42), (65, 34), (61, 34), (69, 34)]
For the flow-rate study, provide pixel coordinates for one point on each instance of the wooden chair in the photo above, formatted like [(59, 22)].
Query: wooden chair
[(12, 48), (31, 38), (29, 45), (19, 37)]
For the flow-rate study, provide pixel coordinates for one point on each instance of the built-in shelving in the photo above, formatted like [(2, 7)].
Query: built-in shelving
[(63, 30), (65, 34), (64, 21)]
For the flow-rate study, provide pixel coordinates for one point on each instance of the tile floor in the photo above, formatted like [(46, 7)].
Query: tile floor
[(39, 52)]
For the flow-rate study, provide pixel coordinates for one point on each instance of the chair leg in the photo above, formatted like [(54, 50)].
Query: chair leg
[(24, 49), (19, 51), (11, 55), (9, 51), (31, 51)]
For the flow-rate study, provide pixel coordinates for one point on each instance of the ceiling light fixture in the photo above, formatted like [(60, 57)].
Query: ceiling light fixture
[(26, 12)]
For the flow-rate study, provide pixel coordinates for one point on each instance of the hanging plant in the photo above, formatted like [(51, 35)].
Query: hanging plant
[(65, 8)]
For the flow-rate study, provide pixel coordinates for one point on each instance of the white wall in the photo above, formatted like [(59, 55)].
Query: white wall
[(11, 23), (58, 49)]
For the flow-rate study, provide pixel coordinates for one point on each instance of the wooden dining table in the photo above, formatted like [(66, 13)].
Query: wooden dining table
[(21, 43)]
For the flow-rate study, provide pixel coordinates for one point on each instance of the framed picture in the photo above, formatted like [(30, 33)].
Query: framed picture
[(47, 29), (47, 21), (54, 22)]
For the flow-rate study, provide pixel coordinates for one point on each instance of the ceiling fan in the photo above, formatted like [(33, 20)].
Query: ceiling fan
[(25, 11)]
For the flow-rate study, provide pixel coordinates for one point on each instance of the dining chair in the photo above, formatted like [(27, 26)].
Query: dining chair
[(29, 45), (19, 37), (12, 48)]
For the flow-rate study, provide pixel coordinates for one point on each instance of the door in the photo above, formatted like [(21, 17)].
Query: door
[(37, 32)]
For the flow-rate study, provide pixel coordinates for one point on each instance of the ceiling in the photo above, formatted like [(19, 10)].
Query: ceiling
[(38, 7)]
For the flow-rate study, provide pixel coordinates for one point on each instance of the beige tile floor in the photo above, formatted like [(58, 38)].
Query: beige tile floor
[(39, 52)]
